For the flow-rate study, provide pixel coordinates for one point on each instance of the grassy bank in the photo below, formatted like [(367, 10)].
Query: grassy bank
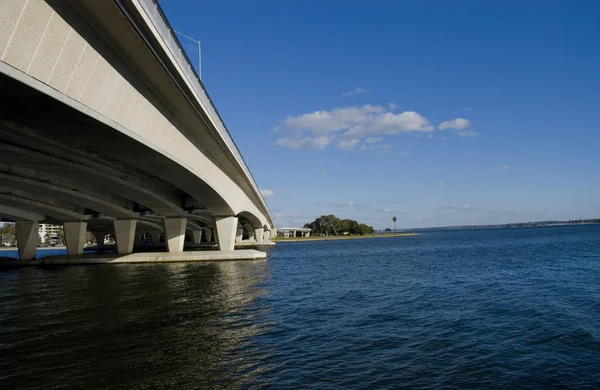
[(330, 238)]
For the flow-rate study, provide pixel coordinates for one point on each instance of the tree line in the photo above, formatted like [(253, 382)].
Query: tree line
[(330, 225)]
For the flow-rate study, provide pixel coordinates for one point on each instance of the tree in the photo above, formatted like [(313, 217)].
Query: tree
[(394, 219), (331, 225)]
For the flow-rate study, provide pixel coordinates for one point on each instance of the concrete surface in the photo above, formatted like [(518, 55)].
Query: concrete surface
[(156, 257)]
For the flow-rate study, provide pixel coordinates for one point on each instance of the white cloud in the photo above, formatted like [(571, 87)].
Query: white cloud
[(392, 106), (467, 133), (348, 144), (439, 184), (459, 206), (314, 143), (467, 109), (354, 91), (373, 140), (266, 193), (456, 124), (341, 204), (505, 167), (318, 129), (289, 215)]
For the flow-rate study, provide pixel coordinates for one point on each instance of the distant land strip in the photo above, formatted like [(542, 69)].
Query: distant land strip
[(331, 238)]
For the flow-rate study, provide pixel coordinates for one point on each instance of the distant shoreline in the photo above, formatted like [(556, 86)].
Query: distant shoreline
[(14, 248), (331, 238)]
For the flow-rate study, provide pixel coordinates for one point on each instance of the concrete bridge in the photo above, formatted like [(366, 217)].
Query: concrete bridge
[(105, 127)]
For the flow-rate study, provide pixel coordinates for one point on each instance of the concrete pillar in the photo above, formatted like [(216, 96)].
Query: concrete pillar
[(209, 235), (250, 233), (175, 234), (266, 235), (226, 232), (258, 233), (155, 238), (140, 237), (27, 238), (125, 235), (239, 234), (75, 236), (197, 236), (99, 239)]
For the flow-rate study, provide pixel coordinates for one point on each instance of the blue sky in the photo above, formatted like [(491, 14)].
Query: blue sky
[(438, 112)]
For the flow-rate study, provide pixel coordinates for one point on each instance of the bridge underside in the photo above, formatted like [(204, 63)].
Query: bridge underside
[(104, 129), (59, 166)]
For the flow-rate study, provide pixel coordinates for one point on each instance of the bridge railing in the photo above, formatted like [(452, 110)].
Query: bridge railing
[(161, 23)]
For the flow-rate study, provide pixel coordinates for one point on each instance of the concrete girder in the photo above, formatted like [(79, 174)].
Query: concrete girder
[(48, 210), (122, 184), (251, 218), (16, 214), (207, 220), (192, 225), (21, 135), (104, 206)]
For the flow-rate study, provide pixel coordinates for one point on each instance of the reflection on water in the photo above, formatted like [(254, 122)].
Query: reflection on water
[(158, 324), (501, 308)]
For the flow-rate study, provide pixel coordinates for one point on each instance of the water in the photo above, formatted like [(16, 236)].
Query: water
[(488, 308)]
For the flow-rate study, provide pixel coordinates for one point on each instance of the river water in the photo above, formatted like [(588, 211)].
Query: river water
[(482, 308)]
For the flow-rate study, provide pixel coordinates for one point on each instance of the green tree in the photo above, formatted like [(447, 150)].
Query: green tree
[(331, 225)]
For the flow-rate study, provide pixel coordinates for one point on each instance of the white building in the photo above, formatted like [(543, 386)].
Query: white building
[(51, 231)]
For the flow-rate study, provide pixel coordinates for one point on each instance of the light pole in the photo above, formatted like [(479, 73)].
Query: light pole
[(199, 53), (394, 219)]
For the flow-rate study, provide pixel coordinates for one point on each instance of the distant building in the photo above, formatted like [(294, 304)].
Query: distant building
[(7, 239), (49, 231), (293, 232)]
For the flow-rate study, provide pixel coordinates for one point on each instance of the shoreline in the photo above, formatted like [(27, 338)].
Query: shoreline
[(14, 248), (332, 238)]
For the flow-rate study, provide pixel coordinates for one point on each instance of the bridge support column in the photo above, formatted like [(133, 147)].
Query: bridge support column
[(99, 236), (125, 235), (239, 234), (250, 234), (258, 233), (226, 232), (197, 236), (209, 235), (267, 235), (75, 235), (175, 234), (27, 238), (155, 238)]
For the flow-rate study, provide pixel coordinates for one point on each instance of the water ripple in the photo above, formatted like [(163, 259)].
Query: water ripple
[(494, 309)]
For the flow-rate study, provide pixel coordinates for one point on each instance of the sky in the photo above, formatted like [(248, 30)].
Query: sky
[(436, 112)]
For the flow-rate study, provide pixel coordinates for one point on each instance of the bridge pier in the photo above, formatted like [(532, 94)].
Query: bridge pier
[(175, 234), (155, 238), (197, 236), (125, 235), (250, 234), (209, 235), (75, 236), (226, 232), (267, 235), (99, 236), (258, 233), (239, 234), (27, 236)]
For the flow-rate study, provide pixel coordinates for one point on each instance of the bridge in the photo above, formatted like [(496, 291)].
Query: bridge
[(105, 127)]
